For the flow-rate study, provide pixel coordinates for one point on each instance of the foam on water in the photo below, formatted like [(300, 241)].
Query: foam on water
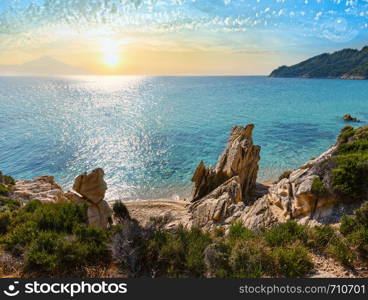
[(149, 133)]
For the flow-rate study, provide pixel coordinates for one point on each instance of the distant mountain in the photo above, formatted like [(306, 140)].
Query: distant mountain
[(345, 64), (43, 66)]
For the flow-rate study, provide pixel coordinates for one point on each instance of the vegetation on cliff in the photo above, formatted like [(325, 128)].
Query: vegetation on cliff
[(346, 63)]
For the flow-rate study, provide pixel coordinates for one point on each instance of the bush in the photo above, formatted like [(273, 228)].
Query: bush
[(4, 222), (339, 250), (291, 261), (8, 204), (346, 133), (120, 211), (286, 233), (320, 237), (349, 178), (318, 188), (250, 259), (216, 260), (54, 238), (347, 225), (359, 241), (4, 190), (238, 232)]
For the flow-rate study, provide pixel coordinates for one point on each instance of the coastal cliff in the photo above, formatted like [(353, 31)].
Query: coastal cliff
[(343, 64)]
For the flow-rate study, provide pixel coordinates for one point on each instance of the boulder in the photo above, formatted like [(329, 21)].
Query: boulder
[(43, 188), (348, 117), (91, 186)]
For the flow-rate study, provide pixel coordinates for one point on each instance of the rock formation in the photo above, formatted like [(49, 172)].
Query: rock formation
[(348, 117), (43, 188), (240, 158), (219, 193), (308, 194), (90, 189)]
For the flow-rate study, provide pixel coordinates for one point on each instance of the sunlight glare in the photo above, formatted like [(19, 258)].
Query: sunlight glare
[(110, 53)]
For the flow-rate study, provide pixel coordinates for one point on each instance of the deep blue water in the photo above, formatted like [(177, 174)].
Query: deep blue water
[(149, 133)]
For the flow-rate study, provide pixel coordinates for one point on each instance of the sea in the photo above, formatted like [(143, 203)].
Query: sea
[(149, 133)]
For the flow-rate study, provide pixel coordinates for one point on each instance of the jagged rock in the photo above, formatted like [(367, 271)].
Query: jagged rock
[(240, 158), (348, 117), (219, 207), (91, 188), (92, 185), (43, 188), (219, 193)]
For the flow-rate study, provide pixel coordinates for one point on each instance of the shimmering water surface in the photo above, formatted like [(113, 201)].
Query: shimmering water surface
[(149, 133)]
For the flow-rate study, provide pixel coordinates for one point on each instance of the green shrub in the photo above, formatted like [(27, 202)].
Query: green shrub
[(249, 259), (238, 232), (349, 178), (54, 253), (120, 211), (8, 204), (339, 250), (60, 217), (358, 240), (286, 233), (353, 147), (4, 222), (361, 215), (216, 259), (318, 188), (182, 253), (347, 225), (291, 261), (346, 133), (320, 236), (54, 238), (4, 190)]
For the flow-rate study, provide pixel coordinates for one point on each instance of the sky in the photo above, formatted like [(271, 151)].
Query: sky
[(179, 37)]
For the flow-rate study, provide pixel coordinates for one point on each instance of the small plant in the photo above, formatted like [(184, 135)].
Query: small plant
[(216, 259), (4, 190), (250, 259), (349, 178), (238, 232), (121, 213), (339, 250), (291, 261), (8, 204), (320, 237), (285, 233), (318, 188)]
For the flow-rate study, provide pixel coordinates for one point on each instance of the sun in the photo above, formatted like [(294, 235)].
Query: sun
[(110, 53)]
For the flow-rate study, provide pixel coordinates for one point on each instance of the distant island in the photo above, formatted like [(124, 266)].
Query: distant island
[(42, 66), (344, 64)]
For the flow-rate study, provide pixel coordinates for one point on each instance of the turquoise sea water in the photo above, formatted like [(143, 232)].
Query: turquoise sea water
[(149, 133)]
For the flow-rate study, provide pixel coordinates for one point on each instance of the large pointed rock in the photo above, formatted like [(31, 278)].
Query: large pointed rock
[(219, 192), (240, 158)]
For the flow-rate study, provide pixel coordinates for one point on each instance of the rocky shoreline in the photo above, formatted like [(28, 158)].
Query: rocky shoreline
[(221, 195)]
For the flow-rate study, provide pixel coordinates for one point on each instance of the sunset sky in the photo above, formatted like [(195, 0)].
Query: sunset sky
[(179, 37)]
